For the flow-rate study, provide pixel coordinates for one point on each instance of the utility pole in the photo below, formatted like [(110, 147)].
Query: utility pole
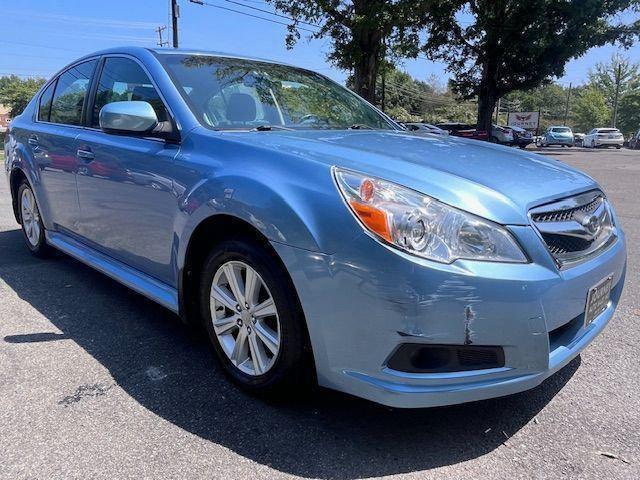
[(175, 13), (498, 112), (160, 30), (384, 73), (615, 102), (566, 108)]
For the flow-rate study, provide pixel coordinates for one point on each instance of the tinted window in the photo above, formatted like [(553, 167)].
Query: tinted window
[(70, 94), (561, 130), (45, 103), (123, 80)]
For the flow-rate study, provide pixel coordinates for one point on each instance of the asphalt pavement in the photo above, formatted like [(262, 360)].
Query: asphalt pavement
[(98, 382)]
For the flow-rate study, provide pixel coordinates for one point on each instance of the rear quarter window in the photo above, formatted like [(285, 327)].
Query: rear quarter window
[(44, 107)]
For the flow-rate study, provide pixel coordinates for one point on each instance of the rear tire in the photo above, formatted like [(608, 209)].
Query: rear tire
[(264, 350), (31, 222)]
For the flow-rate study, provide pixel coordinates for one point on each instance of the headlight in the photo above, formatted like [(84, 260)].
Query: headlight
[(423, 226)]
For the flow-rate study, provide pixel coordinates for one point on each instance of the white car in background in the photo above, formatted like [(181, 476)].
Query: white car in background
[(501, 135), (603, 137)]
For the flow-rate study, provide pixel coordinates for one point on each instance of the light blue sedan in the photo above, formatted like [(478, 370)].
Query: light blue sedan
[(313, 239)]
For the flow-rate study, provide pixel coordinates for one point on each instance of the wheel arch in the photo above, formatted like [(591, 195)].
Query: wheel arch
[(208, 232), (204, 237), (16, 177)]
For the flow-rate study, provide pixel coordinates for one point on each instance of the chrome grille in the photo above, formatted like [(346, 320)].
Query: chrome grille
[(575, 227), (564, 215)]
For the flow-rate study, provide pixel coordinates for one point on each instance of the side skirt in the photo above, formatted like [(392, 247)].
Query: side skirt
[(142, 283)]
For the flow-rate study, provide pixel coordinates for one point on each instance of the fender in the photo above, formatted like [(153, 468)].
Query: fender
[(254, 202), (20, 159)]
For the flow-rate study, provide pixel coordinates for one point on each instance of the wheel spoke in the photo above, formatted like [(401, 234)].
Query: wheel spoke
[(265, 309), (223, 297), (239, 353), (268, 337), (36, 232), (26, 202), (235, 283), (258, 356), (251, 286), (225, 325)]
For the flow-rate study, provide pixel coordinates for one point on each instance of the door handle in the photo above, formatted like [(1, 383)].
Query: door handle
[(33, 141), (85, 154)]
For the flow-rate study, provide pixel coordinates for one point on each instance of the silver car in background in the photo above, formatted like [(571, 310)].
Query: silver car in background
[(604, 137)]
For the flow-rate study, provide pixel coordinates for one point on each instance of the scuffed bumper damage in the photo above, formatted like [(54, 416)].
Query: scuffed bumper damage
[(365, 301)]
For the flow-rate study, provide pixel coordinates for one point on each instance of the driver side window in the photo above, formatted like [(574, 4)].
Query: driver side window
[(123, 80)]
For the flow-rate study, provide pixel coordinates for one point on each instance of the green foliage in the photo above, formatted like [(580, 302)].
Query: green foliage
[(517, 44), (363, 33), (15, 92), (407, 99), (590, 110), (629, 112), (604, 77)]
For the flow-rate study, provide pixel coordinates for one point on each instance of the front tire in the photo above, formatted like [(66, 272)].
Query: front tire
[(253, 318), (31, 222)]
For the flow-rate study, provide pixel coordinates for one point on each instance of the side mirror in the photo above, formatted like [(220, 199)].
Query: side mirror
[(128, 117)]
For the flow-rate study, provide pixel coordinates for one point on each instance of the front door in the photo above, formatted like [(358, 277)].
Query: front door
[(128, 197)]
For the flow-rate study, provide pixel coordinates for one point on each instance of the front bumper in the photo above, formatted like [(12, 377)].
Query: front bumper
[(559, 141), (364, 301)]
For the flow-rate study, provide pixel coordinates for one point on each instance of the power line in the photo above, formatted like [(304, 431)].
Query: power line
[(251, 15), (41, 46), (267, 12)]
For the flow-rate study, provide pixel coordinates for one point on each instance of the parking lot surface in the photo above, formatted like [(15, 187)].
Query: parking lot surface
[(98, 382)]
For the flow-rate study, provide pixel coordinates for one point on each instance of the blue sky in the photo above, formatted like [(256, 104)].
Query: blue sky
[(41, 36)]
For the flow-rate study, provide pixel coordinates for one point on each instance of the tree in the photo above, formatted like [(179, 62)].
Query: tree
[(363, 32), (591, 110), (15, 92), (629, 112), (518, 44), (604, 77)]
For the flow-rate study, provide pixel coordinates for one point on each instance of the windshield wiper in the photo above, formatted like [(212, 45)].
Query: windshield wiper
[(268, 128), (360, 126)]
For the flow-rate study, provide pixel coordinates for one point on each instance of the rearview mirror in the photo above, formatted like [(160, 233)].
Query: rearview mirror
[(128, 117)]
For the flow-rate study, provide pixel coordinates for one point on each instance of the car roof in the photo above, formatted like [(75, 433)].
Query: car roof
[(135, 51)]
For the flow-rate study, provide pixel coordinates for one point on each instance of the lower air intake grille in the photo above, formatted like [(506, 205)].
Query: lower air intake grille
[(421, 358)]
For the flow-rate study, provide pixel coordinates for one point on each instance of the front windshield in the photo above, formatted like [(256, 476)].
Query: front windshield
[(561, 130), (230, 93)]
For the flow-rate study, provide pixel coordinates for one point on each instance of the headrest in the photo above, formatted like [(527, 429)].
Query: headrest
[(241, 107)]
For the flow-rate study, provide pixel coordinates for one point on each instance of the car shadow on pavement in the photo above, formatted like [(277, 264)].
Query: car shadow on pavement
[(170, 370)]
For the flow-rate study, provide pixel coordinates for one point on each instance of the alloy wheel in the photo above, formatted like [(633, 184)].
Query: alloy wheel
[(245, 318), (30, 217)]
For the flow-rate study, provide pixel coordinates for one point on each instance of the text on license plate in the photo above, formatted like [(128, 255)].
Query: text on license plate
[(598, 299)]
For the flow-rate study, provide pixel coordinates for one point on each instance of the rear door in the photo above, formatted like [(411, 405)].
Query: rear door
[(128, 195), (52, 140)]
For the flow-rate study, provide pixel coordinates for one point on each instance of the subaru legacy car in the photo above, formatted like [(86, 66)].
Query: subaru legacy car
[(314, 239)]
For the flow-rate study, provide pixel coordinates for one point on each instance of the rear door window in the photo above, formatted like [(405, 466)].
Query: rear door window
[(123, 80), (71, 94)]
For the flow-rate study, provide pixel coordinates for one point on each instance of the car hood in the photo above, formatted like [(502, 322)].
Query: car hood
[(495, 182)]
